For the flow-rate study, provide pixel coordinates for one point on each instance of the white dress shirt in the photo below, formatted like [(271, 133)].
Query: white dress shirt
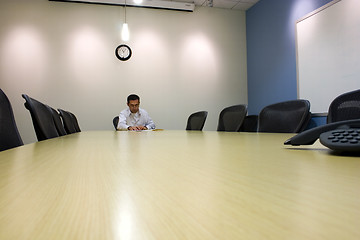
[(128, 119)]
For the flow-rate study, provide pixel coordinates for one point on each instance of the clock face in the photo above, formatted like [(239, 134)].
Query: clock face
[(123, 52)]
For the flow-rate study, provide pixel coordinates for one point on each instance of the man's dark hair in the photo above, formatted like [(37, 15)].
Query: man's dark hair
[(133, 97)]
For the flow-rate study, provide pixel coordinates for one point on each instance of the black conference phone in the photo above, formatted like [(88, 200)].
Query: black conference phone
[(339, 136)]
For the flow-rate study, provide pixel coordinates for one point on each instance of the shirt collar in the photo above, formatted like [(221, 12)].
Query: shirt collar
[(137, 113)]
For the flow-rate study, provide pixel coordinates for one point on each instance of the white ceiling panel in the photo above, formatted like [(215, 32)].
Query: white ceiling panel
[(227, 4)]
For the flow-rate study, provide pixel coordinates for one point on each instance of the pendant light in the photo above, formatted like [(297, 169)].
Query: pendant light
[(125, 35)]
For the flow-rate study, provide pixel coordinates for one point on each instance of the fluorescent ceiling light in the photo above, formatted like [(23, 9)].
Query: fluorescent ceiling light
[(170, 5)]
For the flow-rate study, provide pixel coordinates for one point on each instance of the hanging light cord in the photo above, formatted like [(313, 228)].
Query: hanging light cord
[(125, 11)]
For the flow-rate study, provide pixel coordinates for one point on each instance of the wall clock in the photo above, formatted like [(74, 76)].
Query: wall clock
[(123, 52)]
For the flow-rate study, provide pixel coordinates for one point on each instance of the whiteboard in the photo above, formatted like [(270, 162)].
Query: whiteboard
[(328, 53)]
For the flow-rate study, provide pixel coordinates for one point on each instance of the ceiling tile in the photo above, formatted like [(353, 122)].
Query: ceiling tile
[(224, 3), (228, 4), (242, 6)]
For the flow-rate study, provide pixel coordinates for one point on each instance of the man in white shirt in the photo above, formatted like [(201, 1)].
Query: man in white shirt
[(134, 118)]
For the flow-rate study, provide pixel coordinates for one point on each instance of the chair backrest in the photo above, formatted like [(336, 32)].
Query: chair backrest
[(75, 122), (285, 117), (68, 121), (345, 107), (115, 122), (250, 124), (196, 121), (231, 118), (9, 134), (57, 120), (42, 119)]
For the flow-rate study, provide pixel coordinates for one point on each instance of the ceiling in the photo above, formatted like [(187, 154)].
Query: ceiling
[(228, 4)]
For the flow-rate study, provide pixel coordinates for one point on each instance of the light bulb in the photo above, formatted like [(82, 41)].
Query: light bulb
[(138, 1), (125, 35)]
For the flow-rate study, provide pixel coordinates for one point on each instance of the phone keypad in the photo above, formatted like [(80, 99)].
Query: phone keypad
[(342, 139)]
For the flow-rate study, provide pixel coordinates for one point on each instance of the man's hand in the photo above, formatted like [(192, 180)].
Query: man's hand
[(137, 128)]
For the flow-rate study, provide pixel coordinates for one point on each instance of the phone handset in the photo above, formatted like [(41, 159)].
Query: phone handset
[(342, 135)]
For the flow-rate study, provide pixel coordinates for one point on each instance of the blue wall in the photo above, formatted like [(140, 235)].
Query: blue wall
[(271, 54)]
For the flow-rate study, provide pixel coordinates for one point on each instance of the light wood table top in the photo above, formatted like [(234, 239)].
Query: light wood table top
[(177, 185)]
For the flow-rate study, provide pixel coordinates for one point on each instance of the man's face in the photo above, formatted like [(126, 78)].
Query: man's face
[(134, 105)]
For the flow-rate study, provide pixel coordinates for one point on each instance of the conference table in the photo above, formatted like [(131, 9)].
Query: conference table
[(177, 185)]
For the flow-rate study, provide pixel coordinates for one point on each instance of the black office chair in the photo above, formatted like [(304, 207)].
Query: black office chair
[(75, 122), (9, 134), (285, 117), (68, 121), (250, 124), (42, 119), (115, 122), (57, 120), (345, 107), (196, 121), (231, 118)]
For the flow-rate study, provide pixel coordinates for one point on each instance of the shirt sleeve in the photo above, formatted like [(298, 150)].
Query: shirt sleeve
[(122, 121), (149, 122)]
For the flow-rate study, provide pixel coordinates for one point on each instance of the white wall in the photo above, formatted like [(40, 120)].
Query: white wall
[(62, 54)]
